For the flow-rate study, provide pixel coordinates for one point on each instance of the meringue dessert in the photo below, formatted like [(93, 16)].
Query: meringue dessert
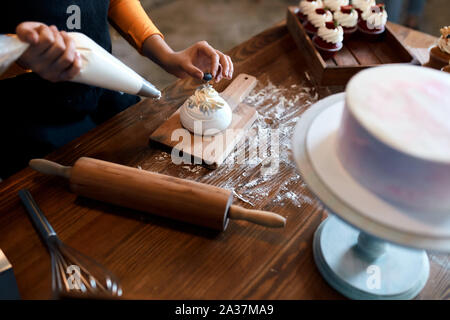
[(206, 112)]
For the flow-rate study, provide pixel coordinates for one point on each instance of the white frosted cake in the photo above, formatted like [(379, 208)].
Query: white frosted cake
[(395, 135)]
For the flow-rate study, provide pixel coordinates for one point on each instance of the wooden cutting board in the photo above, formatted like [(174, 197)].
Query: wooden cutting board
[(211, 151)]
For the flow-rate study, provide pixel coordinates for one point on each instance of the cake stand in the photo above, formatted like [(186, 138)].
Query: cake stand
[(367, 248)]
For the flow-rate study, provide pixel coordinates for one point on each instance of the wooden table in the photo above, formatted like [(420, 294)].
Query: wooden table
[(161, 259)]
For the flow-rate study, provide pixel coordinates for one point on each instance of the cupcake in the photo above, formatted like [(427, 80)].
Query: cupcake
[(317, 19), (440, 54), (329, 39), (347, 18), (373, 22), (363, 5), (306, 7), (335, 5)]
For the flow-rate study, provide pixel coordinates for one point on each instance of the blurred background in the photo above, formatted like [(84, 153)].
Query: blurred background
[(226, 23)]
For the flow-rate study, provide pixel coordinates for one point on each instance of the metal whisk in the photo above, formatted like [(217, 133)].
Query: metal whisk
[(73, 274)]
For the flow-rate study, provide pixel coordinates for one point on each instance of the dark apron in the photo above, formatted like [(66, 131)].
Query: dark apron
[(39, 116)]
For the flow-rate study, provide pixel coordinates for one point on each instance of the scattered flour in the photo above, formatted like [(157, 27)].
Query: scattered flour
[(269, 173), (279, 108)]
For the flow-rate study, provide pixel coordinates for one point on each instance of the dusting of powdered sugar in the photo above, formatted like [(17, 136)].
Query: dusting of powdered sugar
[(267, 173), (279, 108)]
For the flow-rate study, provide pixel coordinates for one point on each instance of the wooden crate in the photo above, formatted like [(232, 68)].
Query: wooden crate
[(356, 55)]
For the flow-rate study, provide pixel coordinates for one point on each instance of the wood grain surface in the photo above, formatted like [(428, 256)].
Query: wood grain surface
[(157, 258)]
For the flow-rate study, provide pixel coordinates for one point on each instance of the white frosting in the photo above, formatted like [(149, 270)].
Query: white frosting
[(335, 5), (206, 112), (406, 107), (375, 20), (363, 5), (331, 35), (206, 99), (307, 7), (101, 69), (347, 20), (318, 20), (444, 44)]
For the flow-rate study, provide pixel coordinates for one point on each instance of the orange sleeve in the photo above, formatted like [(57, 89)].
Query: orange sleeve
[(131, 21), (13, 71)]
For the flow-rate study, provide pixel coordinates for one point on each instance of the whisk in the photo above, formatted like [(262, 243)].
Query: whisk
[(73, 274)]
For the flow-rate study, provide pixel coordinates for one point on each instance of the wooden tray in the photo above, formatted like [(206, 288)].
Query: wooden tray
[(196, 148), (356, 55)]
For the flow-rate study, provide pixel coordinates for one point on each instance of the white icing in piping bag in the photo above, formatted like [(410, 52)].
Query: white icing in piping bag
[(99, 67)]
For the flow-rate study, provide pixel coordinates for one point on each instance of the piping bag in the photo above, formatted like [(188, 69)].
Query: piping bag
[(99, 67)]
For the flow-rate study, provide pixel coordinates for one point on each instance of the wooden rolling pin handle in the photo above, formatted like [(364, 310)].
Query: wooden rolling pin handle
[(51, 168), (263, 218)]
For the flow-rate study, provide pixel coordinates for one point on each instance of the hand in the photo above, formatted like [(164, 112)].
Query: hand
[(52, 54), (194, 61), (199, 59)]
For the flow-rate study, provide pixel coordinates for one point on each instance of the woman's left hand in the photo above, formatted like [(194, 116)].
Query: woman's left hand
[(194, 61), (199, 59)]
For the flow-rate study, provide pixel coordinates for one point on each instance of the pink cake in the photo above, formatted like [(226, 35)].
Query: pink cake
[(395, 135)]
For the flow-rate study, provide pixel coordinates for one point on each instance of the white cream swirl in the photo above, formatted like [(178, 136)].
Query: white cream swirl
[(348, 20), (308, 7), (444, 44), (335, 35), (318, 20), (375, 20), (206, 99), (363, 5), (335, 5)]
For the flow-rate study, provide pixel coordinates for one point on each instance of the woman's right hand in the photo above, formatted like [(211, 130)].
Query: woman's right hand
[(52, 53)]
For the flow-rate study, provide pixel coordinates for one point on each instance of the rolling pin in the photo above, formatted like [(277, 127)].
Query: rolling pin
[(158, 194)]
